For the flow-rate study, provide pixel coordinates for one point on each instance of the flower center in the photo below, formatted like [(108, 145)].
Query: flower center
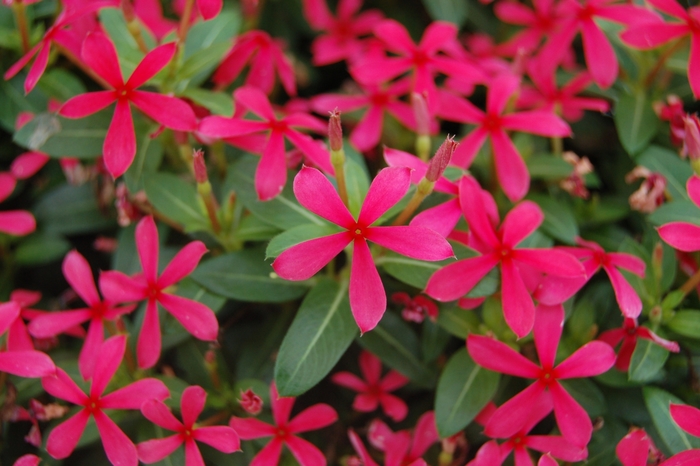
[(492, 122)]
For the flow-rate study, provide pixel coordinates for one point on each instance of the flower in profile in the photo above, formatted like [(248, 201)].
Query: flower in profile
[(673, 112), (374, 389), (628, 334), (405, 447), (367, 297), (651, 193), (119, 449), (284, 431), (637, 449), (415, 309), (196, 317), (682, 235), (223, 438), (119, 147)]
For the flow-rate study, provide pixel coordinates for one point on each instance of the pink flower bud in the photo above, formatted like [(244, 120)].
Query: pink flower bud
[(672, 111), (574, 184), (250, 402), (421, 113), (335, 131), (200, 169), (442, 157)]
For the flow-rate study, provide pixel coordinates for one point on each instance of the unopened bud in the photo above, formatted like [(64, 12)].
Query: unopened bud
[(421, 113), (651, 193), (250, 402), (200, 168), (442, 157), (335, 131)]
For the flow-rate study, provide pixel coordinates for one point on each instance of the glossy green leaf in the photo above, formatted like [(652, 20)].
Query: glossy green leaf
[(548, 167), (78, 212), (681, 210), (454, 11), (297, 235), (636, 121), (647, 361), (14, 101), (675, 438), (457, 321), (149, 154), (217, 102), (61, 84), (251, 228), (177, 199), (40, 249), (559, 221), (396, 344), (686, 322), (587, 394), (667, 162), (244, 275), (357, 184), (319, 335), (433, 340)]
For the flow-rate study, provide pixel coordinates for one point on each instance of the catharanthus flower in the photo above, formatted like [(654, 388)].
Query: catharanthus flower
[(637, 449), (374, 390), (196, 317), (223, 438), (13, 222), (628, 335), (25, 363), (593, 358), (682, 235), (119, 147), (251, 402), (417, 308), (367, 297), (364, 457), (403, 447), (283, 432), (119, 449)]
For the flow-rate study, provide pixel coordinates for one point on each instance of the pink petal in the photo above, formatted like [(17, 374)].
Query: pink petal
[(196, 317), (209, 8), (468, 147), (168, 111), (693, 188), (192, 404), (152, 451), (368, 131), (313, 190), (147, 246), (684, 458), (255, 100), (411, 241), (119, 288), (547, 460), (311, 148), (360, 449), (184, 262), (7, 185), (476, 212), (628, 262), (119, 449), (223, 438), (302, 261), (425, 434), (510, 168), (221, 127), (370, 366), (349, 380), (395, 37), (62, 386), (149, 342), (365, 402), (37, 68), (151, 64), (490, 453), (18, 338), (64, 437), (159, 414), (499, 357), (271, 174), (251, 428), (119, 147), (627, 298), (393, 381), (687, 417), (89, 353), (600, 56), (27, 363), (306, 453), (101, 56), (387, 188), (455, 280), (17, 222), (518, 308), (512, 415), (680, 235), (394, 407), (436, 35), (22, 62), (672, 346), (111, 354), (549, 322), (645, 37), (537, 122), (281, 406), (134, 395), (367, 296), (9, 312), (269, 455), (27, 165), (442, 218), (633, 449), (671, 7), (317, 14), (27, 460), (79, 275), (520, 223), (550, 261), (572, 419), (694, 64), (591, 359), (456, 108), (315, 417), (557, 446), (499, 93)]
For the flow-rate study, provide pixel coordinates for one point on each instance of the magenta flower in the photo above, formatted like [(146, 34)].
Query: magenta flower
[(283, 432), (510, 168), (28, 164), (364, 457), (539, 22), (268, 58), (119, 449), (223, 438), (374, 391), (78, 274), (150, 13), (499, 247), (637, 449), (367, 296), (13, 222), (197, 318), (120, 143), (628, 334), (271, 175), (24, 363), (342, 39), (592, 359), (682, 235), (403, 447)]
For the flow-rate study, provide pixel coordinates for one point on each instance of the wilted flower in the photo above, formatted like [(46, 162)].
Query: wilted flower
[(574, 184), (651, 193)]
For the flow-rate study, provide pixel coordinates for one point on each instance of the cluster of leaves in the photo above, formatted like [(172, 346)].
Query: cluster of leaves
[(155, 142)]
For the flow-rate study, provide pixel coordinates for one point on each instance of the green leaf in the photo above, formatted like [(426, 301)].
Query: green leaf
[(559, 221), (78, 212), (681, 210), (433, 341), (459, 322), (283, 211), (112, 19), (667, 162), (647, 360), (395, 343), (40, 249), (244, 275), (61, 84), (463, 390), (636, 121), (658, 402), (148, 157), (319, 335), (251, 228), (454, 11), (548, 167), (14, 101), (298, 235), (587, 394), (217, 102), (176, 199), (686, 322), (357, 184)]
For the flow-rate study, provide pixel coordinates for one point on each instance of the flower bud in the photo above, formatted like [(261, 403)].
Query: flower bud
[(250, 402), (200, 168), (672, 111), (442, 157), (651, 193), (419, 103), (335, 131)]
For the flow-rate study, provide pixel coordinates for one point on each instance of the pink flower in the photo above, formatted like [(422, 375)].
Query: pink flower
[(223, 438), (510, 168), (688, 419), (637, 448), (150, 13), (594, 358), (77, 272), (119, 449), (27, 460), (271, 174), (13, 222), (539, 22), (374, 391), (25, 362), (403, 447), (681, 235), (364, 457), (499, 247), (268, 58), (651, 192), (283, 432), (367, 296), (251, 402), (197, 318), (417, 308), (28, 164), (628, 334), (120, 143)]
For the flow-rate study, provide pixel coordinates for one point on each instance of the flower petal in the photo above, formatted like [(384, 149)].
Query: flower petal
[(681, 235), (499, 357), (549, 322), (510, 168), (147, 246), (27, 363), (455, 280), (591, 359), (271, 174), (62, 386), (550, 261), (270, 454), (394, 407), (387, 188), (370, 366), (315, 417), (149, 342), (520, 223), (119, 147), (17, 222), (169, 111), (256, 101), (184, 262), (315, 192), (151, 64), (627, 297), (518, 308), (367, 296), (223, 438), (192, 404), (572, 419), (111, 354), (119, 449), (90, 350), (86, 104), (281, 406), (101, 56), (209, 8), (64, 437), (79, 275), (411, 241), (512, 415), (306, 453), (120, 288), (152, 451), (633, 449), (476, 212), (251, 428), (159, 414), (537, 122), (134, 395), (687, 417), (196, 317), (349, 380), (303, 260)]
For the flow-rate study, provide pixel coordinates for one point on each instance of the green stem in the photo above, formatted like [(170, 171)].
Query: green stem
[(19, 9)]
